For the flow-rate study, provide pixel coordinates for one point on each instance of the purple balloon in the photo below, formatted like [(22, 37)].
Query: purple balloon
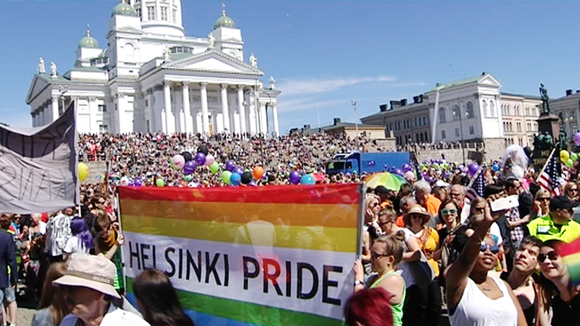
[(253, 183), (138, 182), (189, 167), (200, 158), (407, 167), (473, 168), (230, 166), (295, 177), (393, 169), (238, 170), (577, 139), (398, 172)]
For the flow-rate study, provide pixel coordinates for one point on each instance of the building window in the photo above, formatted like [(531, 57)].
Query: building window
[(442, 115), (456, 132), (527, 111), (424, 120), (103, 128), (519, 126), (150, 13), (456, 113), (517, 109), (520, 142), (175, 15), (164, 13), (138, 12), (471, 130), (443, 134), (492, 108), (469, 110), (102, 108), (484, 103)]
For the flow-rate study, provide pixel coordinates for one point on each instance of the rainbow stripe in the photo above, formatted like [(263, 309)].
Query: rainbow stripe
[(248, 256), (570, 254)]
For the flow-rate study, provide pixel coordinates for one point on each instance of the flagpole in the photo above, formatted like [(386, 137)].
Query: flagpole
[(547, 162)]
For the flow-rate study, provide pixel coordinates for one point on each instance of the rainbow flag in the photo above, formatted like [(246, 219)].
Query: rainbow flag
[(279, 255), (570, 253)]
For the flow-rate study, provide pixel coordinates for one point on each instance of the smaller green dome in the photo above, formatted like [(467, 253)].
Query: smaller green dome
[(88, 41), (224, 21), (124, 9)]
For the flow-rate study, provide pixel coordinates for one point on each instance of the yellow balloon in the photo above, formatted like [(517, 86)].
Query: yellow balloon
[(564, 156), (83, 171)]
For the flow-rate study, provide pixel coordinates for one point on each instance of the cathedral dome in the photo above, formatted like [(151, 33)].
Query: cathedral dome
[(224, 21), (124, 9), (88, 41)]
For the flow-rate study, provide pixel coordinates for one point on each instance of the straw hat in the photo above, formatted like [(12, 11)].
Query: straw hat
[(417, 209), (93, 272)]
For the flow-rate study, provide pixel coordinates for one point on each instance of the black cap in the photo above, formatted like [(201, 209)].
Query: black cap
[(562, 202)]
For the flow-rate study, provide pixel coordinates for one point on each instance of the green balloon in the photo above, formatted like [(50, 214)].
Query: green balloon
[(214, 167), (188, 178), (226, 175), (160, 183), (574, 157), (570, 163)]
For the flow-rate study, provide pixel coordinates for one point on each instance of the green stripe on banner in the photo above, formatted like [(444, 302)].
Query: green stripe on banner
[(245, 311)]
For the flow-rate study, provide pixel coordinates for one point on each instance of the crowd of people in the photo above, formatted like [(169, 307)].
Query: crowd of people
[(441, 253), (433, 251)]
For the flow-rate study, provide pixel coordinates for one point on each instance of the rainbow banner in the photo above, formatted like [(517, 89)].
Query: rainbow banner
[(279, 255), (570, 253)]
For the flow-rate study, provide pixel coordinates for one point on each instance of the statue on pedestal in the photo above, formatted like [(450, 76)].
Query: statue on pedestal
[(272, 82), (41, 68), (166, 54), (253, 61), (210, 41), (53, 69), (545, 99)]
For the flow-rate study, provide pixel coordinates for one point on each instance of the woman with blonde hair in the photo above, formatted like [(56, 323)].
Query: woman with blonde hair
[(52, 306), (386, 253), (542, 203)]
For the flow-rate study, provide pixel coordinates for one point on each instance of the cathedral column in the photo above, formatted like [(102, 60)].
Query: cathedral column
[(275, 116), (225, 109), (169, 117), (204, 110), (253, 116), (241, 109), (93, 128), (186, 108), (263, 117), (54, 108)]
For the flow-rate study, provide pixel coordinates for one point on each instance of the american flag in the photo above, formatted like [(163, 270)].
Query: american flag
[(549, 179), (477, 188)]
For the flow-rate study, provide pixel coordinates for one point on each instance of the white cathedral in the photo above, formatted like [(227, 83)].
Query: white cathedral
[(153, 78)]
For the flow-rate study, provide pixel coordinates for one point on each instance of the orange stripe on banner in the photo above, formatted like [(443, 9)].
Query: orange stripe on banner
[(317, 194), (338, 216)]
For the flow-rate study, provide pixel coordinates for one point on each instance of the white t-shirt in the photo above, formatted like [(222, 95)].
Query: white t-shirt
[(404, 266), (74, 246)]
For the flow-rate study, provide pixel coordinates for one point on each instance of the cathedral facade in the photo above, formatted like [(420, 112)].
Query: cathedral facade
[(153, 78)]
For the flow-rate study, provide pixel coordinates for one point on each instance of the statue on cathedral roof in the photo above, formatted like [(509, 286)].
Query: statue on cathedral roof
[(41, 68), (53, 69), (253, 61), (210, 41)]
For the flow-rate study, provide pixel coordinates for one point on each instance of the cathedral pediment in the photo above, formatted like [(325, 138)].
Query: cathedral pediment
[(214, 61), (38, 85)]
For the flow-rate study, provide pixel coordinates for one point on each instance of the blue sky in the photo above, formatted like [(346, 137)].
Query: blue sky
[(324, 54)]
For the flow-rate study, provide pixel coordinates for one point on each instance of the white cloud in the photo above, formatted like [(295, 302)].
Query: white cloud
[(314, 86), (300, 104)]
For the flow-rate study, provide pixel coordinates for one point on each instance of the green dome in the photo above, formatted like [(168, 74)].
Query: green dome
[(124, 9), (224, 21), (88, 41)]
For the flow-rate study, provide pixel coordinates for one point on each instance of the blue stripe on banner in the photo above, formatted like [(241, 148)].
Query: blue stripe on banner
[(201, 319)]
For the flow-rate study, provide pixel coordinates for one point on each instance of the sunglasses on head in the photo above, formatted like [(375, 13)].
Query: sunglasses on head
[(552, 255), (448, 211), (493, 248)]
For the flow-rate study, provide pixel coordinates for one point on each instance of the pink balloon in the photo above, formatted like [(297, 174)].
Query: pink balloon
[(209, 159), (409, 175)]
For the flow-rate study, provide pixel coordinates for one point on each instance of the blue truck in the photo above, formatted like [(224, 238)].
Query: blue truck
[(366, 162)]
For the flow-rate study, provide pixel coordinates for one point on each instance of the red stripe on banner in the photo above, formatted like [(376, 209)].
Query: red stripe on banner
[(315, 194), (570, 248)]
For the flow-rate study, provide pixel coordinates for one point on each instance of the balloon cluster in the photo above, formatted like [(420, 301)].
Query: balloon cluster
[(569, 158)]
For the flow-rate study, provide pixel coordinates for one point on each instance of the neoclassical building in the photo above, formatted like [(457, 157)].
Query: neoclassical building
[(152, 77)]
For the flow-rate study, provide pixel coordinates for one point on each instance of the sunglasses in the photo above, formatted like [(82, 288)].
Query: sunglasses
[(448, 211), (544, 199), (493, 248), (552, 255), (573, 189), (479, 209), (376, 256), (385, 223)]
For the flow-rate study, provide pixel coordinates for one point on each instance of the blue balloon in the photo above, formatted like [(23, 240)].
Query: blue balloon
[(236, 179), (307, 179), (495, 167)]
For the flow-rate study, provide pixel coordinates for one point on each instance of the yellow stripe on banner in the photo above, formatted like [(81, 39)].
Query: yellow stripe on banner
[(298, 237), (343, 215)]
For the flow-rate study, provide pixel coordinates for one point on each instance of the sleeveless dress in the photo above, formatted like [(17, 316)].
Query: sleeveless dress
[(476, 309), (397, 308)]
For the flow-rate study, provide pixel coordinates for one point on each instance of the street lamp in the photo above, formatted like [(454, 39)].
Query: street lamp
[(353, 103), (62, 89)]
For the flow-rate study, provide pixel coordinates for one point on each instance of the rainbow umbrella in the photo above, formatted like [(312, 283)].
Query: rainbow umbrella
[(387, 179)]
